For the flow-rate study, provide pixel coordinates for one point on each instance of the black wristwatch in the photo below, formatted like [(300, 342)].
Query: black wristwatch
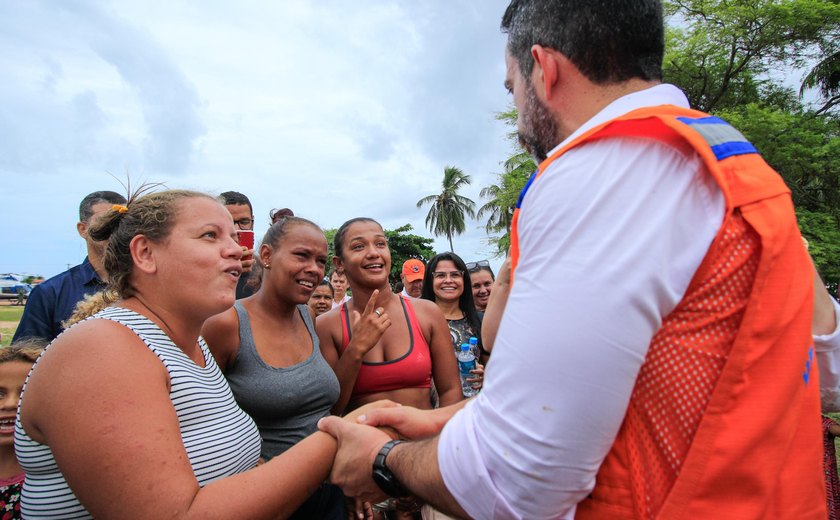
[(383, 477)]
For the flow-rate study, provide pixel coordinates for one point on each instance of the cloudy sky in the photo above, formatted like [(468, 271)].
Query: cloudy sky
[(336, 109)]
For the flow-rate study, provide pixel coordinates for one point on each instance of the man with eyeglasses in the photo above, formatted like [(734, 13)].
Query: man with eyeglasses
[(239, 207)]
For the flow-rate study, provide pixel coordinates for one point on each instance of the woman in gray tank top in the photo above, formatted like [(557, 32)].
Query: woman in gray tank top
[(267, 349)]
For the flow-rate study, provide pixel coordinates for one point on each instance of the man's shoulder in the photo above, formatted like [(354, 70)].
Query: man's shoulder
[(60, 279)]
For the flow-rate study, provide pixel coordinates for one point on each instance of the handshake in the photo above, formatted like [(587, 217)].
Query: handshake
[(361, 435)]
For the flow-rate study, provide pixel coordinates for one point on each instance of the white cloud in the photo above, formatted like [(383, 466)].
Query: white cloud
[(335, 109)]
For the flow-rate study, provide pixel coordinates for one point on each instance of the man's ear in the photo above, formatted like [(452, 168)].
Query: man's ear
[(546, 72), (143, 255), (81, 228)]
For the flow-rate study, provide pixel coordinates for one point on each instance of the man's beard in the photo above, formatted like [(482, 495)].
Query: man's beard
[(540, 130)]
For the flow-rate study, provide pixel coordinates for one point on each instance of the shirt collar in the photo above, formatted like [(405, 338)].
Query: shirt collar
[(662, 94), (88, 273)]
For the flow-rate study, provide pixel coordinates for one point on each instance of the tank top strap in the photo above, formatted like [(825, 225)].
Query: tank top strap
[(307, 320), (345, 326), (413, 322), (246, 335)]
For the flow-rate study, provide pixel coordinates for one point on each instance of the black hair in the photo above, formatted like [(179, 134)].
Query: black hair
[(485, 268), (338, 240), (279, 229), (235, 198), (328, 284), (609, 41), (465, 302), (92, 199)]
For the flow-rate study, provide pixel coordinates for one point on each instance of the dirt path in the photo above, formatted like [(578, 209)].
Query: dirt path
[(8, 324)]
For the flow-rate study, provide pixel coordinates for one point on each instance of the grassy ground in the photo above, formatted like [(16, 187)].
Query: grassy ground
[(9, 314)]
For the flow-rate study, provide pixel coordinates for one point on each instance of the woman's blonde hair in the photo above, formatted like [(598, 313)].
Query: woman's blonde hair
[(149, 214), (90, 305)]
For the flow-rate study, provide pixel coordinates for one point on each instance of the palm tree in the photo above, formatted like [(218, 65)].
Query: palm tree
[(448, 209), (502, 198), (825, 77)]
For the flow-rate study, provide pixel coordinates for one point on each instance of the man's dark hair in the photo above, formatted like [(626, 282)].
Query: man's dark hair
[(236, 198), (87, 204), (609, 41)]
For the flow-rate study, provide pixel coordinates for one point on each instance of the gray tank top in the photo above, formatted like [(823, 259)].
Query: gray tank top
[(285, 403)]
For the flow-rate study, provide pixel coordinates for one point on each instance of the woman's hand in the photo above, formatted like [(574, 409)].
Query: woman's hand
[(368, 328), (478, 379)]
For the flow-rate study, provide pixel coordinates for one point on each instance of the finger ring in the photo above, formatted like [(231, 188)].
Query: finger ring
[(378, 312)]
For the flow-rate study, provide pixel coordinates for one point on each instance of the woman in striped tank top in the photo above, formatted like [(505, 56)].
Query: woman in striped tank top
[(126, 415)]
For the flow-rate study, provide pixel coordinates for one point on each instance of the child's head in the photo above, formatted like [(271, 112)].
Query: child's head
[(15, 362)]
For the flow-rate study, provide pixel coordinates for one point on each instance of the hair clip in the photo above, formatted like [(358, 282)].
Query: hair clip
[(120, 208)]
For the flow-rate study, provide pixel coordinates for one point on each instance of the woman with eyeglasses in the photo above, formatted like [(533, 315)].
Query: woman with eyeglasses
[(482, 279), (447, 282)]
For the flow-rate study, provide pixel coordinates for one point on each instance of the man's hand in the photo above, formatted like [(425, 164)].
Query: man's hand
[(358, 446), (409, 422), (365, 409)]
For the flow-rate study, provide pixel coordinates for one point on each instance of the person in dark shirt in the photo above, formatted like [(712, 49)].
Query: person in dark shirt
[(239, 207), (53, 301)]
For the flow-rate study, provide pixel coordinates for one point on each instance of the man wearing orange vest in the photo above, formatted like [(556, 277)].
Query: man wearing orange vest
[(675, 378)]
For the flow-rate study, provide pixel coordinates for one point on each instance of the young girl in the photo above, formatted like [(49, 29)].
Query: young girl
[(15, 363)]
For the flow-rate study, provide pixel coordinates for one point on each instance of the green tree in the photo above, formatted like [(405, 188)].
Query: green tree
[(448, 209), (825, 77), (820, 228), (501, 197), (330, 235), (721, 51)]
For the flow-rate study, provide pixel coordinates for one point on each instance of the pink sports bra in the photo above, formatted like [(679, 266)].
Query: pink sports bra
[(411, 370)]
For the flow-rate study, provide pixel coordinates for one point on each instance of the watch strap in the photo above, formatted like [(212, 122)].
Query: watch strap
[(383, 476)]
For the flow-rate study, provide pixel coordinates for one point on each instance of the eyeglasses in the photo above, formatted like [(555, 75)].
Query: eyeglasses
[(244, 223), (443, 275), (475, 266)]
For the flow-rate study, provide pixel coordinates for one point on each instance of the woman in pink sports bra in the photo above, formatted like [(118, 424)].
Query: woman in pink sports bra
[(380, 345)]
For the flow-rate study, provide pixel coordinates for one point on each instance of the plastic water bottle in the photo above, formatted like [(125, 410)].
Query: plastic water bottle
[(466, 362), (474, 347)]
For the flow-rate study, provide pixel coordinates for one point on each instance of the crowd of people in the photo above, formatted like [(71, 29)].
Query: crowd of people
[(657, 324)]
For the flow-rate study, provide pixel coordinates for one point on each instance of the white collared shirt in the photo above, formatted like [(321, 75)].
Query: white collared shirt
[(621, 225)]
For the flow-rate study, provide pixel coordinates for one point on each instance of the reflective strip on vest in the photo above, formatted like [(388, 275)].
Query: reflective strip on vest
[(724, 140)]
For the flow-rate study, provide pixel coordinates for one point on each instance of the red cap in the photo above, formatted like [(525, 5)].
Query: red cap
[(413, 270)]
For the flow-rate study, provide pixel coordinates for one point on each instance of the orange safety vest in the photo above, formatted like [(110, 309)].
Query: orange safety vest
[(724, 418)]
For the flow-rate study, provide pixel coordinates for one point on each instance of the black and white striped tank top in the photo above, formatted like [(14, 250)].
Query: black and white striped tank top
[(220, 439)]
